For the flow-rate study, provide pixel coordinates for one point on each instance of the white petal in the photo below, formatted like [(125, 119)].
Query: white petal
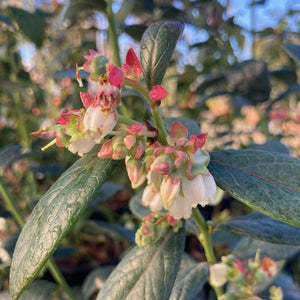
[(81, 146), (181, 208), (152, 198), (97, 124), (210, 188), (154, 179), (217, 274), (194, 191), (169, 190), (201, 157)]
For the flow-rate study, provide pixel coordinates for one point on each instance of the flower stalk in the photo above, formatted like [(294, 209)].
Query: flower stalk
[(205, 239)]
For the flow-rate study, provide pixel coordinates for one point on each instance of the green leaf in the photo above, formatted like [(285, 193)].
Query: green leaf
[(74, 7), (7, 20), (157, 46), (293, 51), (136, 206), (54, 216), (135, 31), (247, 248), (268, 182), (272, 145), (190, 281), (39, 290), (32, 25), (262, 227), (148, 272), (94, 280)]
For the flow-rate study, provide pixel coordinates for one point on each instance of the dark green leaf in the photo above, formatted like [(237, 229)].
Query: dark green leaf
[(136, 31), (293, 51), (261, 227), (7, 20), (39, 290), (32, 25), (71, 74), (108, 190), (190, 281), (95, 280), (290, 289), (157, 46), (96, 227), (247, 248), (136, 206), (54, 216), (148, 272), (266, 181), (285, 75), (271, 145), (74, 7), (10, 154)]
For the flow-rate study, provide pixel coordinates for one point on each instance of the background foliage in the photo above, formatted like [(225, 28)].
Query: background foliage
[(241, 104)]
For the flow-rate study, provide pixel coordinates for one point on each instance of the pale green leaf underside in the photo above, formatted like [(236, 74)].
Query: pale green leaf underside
[(266, 181), (53, 217)]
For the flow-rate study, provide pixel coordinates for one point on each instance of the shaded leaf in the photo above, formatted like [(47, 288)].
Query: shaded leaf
[(247, 248), (74, 7), (293, 51), (54, 216), (39, 290), (10, 154), (290, 289), (96, 227), (136, 206), (95, 280), (190, 281), (148, 272), (71, 74), (266, 181), (286, 75), (157, 46), (271, 145), (32, 25), (8, 21), (136, 31), (108, 190), (261, 227)]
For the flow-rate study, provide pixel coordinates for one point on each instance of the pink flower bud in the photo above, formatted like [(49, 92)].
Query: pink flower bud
[(139, 150), (137, 129), (115, 75), (129, 141), (178, 130), (269, 266), (169, 189), (106, 150), (132, 68), (162, 165), (158, 93), (136, 172)]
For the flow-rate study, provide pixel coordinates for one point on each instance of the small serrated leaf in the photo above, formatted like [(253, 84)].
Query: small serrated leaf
[(268, 182), (54, 216), (148, 272), (261, 227), (190, 281), (157, 46)]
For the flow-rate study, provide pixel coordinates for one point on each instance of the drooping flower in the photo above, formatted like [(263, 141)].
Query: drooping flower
[(100, 117), (217, 274), (178, 178)]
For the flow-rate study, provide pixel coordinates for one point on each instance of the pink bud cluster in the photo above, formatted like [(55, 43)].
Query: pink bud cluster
[(80, 130)]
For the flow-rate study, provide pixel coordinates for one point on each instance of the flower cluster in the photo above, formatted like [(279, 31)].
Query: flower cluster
[(80, 130), (153, 227), (177, 175), (245, 276)]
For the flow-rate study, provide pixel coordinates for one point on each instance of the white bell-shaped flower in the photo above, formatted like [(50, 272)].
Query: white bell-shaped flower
[(81, 146)]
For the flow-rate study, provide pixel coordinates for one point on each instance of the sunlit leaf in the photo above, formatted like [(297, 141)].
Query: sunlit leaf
[(268, 182), (148, 272), (157, 46), (54, 216)]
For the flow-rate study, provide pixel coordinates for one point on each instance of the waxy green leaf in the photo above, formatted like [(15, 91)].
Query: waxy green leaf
[(54, 216), (148, 272), (247, 248), (157, 46), (293, 51), (261, 227), (266, 181), (190, 281)]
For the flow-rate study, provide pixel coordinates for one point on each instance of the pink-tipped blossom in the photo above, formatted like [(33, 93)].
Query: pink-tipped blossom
[(132, 68), (136, 172), (158, 93)]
